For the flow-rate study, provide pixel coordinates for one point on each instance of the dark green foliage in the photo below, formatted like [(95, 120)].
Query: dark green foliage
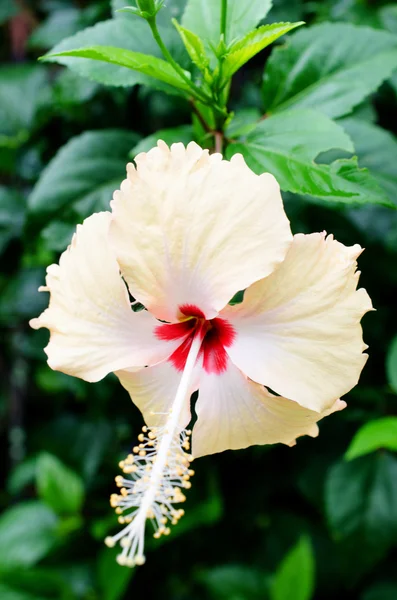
[(317, 521)]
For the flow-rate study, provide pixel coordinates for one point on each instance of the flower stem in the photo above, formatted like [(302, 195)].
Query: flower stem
[(218, 136), (195, 91), (223, 19)]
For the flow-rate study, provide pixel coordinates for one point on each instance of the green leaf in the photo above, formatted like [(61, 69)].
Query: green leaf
[(113, 579), (391, 365), (84, 173), (361, 498), (295, 575), (19, 299), (388, 18), (234, 582), (381, 591), (129, 34), (286, 145), (27, 534), (285, 10), (34, 584), (58, 486), (243, 122), (57, 235), (71, 89), (255, 41), (330, 67), (301, 133), (203, 17), (22, 475), (12, 215), (59, 25), (183, 133), (10, 593), (91, 442), (23, 91), (7, 10), (205, 512), (194, 47), (381, 433), (141, 63), (376, 149)]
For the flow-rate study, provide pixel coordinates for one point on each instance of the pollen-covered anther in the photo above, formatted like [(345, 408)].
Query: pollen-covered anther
[(155, 477)]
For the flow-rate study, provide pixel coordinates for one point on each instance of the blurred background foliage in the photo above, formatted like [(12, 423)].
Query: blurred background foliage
[(268, 523)]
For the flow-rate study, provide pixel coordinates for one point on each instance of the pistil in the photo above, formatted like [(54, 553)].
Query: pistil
[(159, 468)]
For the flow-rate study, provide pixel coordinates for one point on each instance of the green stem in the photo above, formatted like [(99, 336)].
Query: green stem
[(223, 19), (195, 91)]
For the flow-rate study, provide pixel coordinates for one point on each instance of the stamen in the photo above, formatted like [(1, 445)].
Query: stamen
[(157, 471)]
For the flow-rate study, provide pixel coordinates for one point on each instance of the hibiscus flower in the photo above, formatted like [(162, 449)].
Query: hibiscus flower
[(187, 231)]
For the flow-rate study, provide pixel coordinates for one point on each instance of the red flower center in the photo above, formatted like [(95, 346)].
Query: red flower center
[(217, 333)]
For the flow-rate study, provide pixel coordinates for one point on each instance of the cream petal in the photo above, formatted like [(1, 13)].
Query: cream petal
[(235, 412), (298, 331), (193, 229), (153, 391), (93, 328)]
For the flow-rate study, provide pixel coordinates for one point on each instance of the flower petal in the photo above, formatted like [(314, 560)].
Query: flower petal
[(93, 328), (235, 412), (153, 391), (193, 229), (298, 331)]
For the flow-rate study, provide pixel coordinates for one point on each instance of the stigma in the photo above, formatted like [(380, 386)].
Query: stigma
[(216, 334)]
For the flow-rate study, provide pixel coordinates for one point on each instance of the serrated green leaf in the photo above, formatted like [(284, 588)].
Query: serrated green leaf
[(381, 433), (391, 365), (361, 498), (295, 575), (27, 534), (129, 34), (58, 486), (84, 173), (286, 146), (183, 133), (304, 133), (376, 149), (203, 17), (243, 122), (331, 67), (255, 41), (142, 63), (194, 46)]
